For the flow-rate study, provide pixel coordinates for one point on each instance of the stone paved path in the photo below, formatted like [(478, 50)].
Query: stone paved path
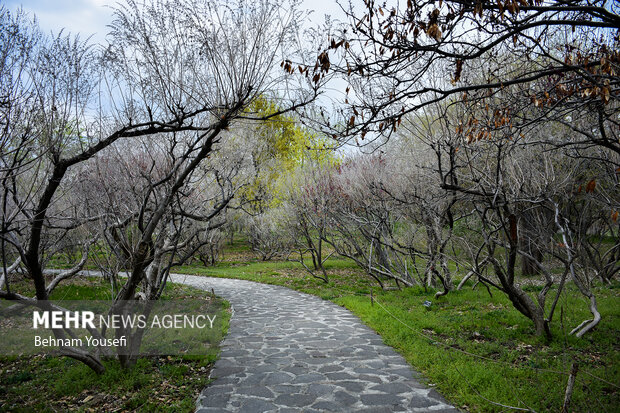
[(292, 352)]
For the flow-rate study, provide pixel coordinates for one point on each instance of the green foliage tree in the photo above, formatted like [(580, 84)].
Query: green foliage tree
[(284, 146)]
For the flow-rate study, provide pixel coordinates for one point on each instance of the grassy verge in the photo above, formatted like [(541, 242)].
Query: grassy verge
[(476, 349), (50, 384)]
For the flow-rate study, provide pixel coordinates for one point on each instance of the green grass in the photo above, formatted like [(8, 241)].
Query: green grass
[(474, 348), (436, 342), (345, 277), (45, 383)]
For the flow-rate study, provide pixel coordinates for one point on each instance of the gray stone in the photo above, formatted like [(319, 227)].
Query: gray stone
[(295, 400), (377, 409), (433, 393), (320, 389), (253, 379), (259, 391), (287, 388), (370, 378), (418, 401), (340, 376), (331, 368), (309, 378), (394, 388), (352, 386), (216, 400), (296, 370), (257, 406), (277, 378), (345, 398), (213, 390), (328, 406), (226, 371), (381, 399)]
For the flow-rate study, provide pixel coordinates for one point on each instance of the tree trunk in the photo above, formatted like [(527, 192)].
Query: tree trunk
[(528, 265)]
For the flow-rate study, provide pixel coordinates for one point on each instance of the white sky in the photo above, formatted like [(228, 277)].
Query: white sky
[(90, 17)]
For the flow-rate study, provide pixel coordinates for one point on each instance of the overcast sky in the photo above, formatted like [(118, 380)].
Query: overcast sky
[(90, 17)]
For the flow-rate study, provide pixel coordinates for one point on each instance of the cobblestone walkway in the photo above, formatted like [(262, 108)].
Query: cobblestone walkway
[(292, 352)]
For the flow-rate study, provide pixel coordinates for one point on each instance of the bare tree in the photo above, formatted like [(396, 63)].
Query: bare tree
[(397, 58), (310, 201), (219, 59), (425, 152), (181, 72), (51, 84), (363, 220), (520, 75), (267, 234)]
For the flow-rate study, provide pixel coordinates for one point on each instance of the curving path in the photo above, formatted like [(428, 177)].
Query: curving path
[(291, 352)]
